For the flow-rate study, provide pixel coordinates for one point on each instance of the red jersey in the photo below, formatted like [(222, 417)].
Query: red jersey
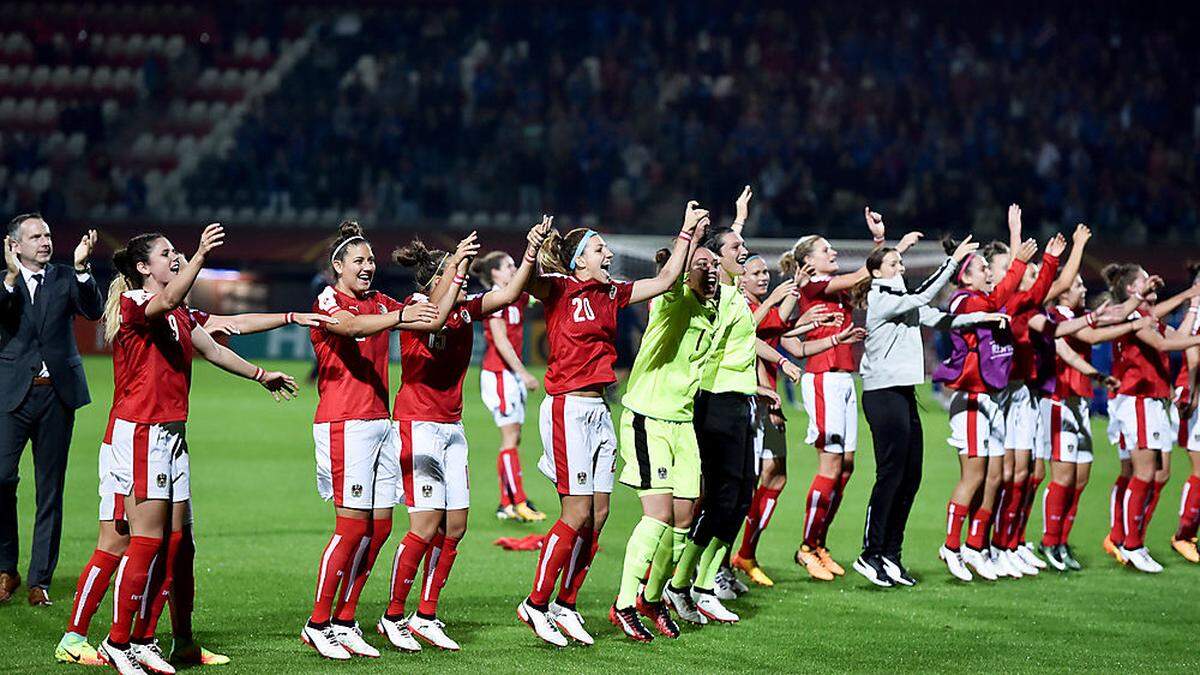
[(969, 379), (770, 330), (352, 373), (1070, 381), (152, 362), (1142, 369), (840, 357), (514, 324), (581, 329), (433, 366), (1023, 306), (1181, 380)]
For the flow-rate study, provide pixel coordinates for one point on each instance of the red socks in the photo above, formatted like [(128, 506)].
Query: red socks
[(1116, 510), (834, 503), (438, 561), (508, 468), (956, 515), (981, 522), (1069, 519), (816, 513), (556, 551), (93, 584), (132, 576), (183, 587), (584, 551), (360, 569), (1028, 496), (761, 510), (404, 570), (1006, 514), (1135, 512), (1189, 509), (1055, 503), (348, 533), (1156, 490), (158, 589)]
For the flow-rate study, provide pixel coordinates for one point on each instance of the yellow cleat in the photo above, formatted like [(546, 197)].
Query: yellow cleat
[(808, 558), (752, 570), (1187, 549), (74, 648), (526, 513), (828, 562), (1111, 549), (193, 654)]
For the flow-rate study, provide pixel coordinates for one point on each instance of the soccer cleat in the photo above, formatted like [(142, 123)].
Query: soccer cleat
[(507, 513), (954, 563), (629, 623), (807, 558), (1020, 564), (540, 623), (397, 633), (658, 613), (1005, 563), (737, 584), (1052, 557), (709, 605), (432, 631), (872, 568), (570, 623), (897, 572), (187, 652), (1030, 556), (685, 609), (526, 512), (980, 562), (1113, 550), (1065, 554), (828, 562), (325, 642), (1186, 548), (1141, 560), (351, 637), (74, 648), (723, 587), (122, 660), (752, 570), (151, 658)]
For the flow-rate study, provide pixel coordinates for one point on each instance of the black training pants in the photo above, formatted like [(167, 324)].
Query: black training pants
[(724, 426), (896, 431)]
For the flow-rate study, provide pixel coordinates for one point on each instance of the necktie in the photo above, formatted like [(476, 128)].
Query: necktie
[(37, 283)]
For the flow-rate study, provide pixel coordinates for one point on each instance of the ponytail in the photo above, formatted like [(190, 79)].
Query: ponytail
[(483, 266), (788, 264), (112, 308), (553, 255), (426, 263), (125, 262), (1118, 276), (858, 292)]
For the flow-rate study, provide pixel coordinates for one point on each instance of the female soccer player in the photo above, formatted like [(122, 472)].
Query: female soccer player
[(144, 460), (504, 383), (113, 539), (827, 389), (579, 443), (1184, 539), (428, 422), (356, 456), (1139, 412)]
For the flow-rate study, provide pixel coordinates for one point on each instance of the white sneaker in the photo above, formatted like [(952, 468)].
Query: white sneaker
[(1018, 561), (151, 658), (325, 642), (541, 624), (723, 587), (734, 582), (431, 631), (570, 622), (684, 608), (1005, 564), (1030, 556), (122, 660), (978, 561), (351, 637), (954, 563), (1140, 558), (710, 606), (398, 634)]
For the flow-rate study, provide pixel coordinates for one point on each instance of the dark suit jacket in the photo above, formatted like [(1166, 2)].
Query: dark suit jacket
[(45, 331)]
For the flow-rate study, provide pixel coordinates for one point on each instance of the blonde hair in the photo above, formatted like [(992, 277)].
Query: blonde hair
[(552, 256), (125, 261), (112, 308), (791, 261)]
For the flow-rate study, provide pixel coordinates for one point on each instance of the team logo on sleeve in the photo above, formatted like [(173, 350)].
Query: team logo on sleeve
[(382, 309), (464, 315), (356, 491)]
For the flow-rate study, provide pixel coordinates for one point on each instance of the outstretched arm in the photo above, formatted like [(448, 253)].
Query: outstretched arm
[(1172, 303), (503, 297), (247, 324), (695, 219), (178, 288), (281, 385), (844, 282)]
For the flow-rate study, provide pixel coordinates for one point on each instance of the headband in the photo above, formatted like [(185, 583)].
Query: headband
[(336, 249), (963, 268), (437, 269), (579, 249)]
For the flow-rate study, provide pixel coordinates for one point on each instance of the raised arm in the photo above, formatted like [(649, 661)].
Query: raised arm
[(1049, 269), (9, 298), (503, 297), (1012, 280), (454, 276), (741, 210), (86, 297), (1070, 269), (695, 220), (1014, 228), (281, 385), (844, 282), (775, 297), (178, 288)]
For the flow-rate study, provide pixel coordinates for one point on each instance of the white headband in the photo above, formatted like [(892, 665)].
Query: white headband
[(338, 248)]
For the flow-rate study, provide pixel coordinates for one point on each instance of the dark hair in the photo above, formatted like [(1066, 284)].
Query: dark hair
[(661, 256), (992, 250), (950, 244), (858, 292), (558, 250), (15, 223), (716, 238), (483, 266), (426, 263), (125, 261), (1118, 276), (1193, 268), (347, 230)]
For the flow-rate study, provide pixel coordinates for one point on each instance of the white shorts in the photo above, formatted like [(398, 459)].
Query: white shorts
[(357, 463), (770, 442), (976, 425), (1020, 410), (579, 444), (504, 395), (149, 461), (1140, 422), (1187, 432), (112, 507), (433, 466), (1066, 431), (832, 406)]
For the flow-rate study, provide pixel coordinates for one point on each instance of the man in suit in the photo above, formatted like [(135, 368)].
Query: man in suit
[(41, 385)]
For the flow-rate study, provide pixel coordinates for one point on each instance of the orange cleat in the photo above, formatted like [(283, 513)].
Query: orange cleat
[(807, 557), (1111, 549), (828, 562), (1187, 549), (752, 570)]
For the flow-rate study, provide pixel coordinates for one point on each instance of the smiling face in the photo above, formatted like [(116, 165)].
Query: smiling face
[(161, 266), (702, 274), (504, 273), (757, 279), (33, 243), (891, 267), (977, 276), (356, 269), (1076, 295), (999, 267), (823, 257), (595, 259), (733, 254)]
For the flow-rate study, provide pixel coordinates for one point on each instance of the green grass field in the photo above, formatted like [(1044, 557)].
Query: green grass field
[(261, 527)]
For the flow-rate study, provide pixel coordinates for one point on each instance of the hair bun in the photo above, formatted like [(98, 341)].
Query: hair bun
[(661, 256), (349, 228), (1111, 273)]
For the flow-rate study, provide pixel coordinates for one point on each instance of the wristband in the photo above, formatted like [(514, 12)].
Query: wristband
[(259, 374), (685, 236), (739, 223), (795, 292), (459, 280), (290, 317), (834, 338), (1193, 309), (879, 240), (1091, 319), (530, 258)]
